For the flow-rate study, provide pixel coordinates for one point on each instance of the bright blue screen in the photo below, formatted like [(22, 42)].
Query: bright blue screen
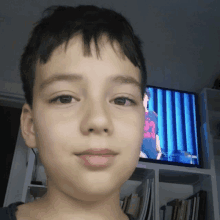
[(171, 118)]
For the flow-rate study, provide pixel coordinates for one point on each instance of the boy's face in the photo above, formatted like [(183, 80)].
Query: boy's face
[(146, 99), (61, 130)]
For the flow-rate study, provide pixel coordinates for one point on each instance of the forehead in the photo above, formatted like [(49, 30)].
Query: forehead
[(73, 60), (75, 51)]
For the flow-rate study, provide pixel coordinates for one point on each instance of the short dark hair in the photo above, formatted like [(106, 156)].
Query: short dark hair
[(64, 22), (148, 93)]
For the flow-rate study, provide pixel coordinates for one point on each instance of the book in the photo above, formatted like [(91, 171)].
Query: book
[(182, 210), (188, 209), (176, 203), (202, 196), (147, 208), (175, 210), (162, 211), (194, 207), (162, 214), (128, 203), (135, 215), (150, 214), (191, 209), (125, 203), (202, 205), (121, 203), (143, 192), (197, 207), (179, 210), (168, 213), (140, 207), (133, 204), (185, 210), (153, 202)]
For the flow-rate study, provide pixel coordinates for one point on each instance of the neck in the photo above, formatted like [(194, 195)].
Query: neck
[(63, 209)]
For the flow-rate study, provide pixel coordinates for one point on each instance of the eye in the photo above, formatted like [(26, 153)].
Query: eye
[(123, 97), (64, 98), (67, 99)]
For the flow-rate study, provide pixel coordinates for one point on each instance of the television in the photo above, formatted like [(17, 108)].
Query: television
[(172, 128)]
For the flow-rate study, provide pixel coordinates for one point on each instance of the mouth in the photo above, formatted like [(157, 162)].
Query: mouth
[(97, 152), (96, 161)]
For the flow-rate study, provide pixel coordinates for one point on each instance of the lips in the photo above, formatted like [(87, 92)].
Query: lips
[(97, 151), (97, 157), (96, 161)]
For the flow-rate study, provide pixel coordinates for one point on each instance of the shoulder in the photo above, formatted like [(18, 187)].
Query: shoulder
[(23, 212), (130, 217), (4, 214), (155, 113), (9, 212)]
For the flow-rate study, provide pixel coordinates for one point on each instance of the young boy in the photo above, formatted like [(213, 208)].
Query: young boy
[(77, 100), (151, 141)]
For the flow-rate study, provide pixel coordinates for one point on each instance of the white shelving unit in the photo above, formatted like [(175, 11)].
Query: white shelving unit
[(170, 182)]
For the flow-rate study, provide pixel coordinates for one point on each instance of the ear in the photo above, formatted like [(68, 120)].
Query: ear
[(27, 126)]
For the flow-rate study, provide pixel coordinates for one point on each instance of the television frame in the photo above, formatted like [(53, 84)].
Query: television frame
[(198, 126)]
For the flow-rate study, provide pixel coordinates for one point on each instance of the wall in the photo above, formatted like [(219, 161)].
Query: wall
[(181, 38)]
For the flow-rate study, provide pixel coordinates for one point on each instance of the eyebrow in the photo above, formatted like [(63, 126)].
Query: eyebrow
[(119, 79)]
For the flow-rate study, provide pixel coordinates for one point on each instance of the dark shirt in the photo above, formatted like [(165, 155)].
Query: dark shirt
[(150, 132), (8, 213)]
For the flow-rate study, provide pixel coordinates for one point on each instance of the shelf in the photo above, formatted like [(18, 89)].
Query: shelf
[(178, 177), (216, 146), (157, 166), (142, 173), (34, 192), (37, 191), (38, 186), (214, 123), (213, 100), (213, 93), (179, 185)]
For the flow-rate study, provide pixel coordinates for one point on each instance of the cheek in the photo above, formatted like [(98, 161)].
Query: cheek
[(136, 138)]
